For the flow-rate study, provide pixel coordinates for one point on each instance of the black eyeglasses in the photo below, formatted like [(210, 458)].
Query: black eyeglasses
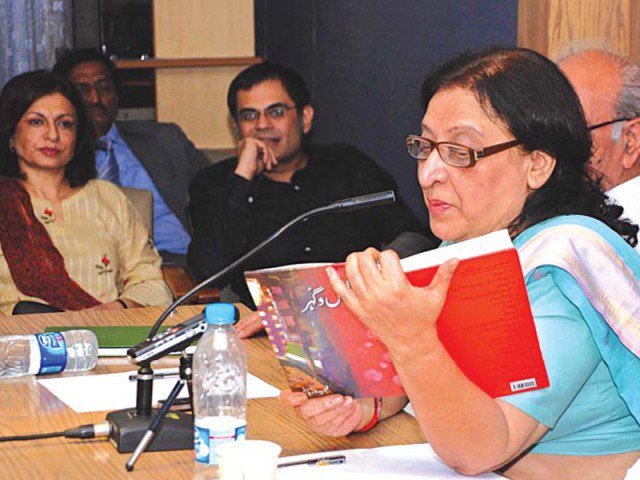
[(610, 122), (274, 112), (451, 153)]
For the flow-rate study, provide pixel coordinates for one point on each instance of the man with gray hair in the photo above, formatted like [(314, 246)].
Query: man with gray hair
[(609, 89)]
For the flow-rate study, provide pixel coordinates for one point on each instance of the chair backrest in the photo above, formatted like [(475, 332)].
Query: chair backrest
[(142, 201), (215, 155)]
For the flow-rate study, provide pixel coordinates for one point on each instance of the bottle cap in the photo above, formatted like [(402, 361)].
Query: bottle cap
[(220, 314)]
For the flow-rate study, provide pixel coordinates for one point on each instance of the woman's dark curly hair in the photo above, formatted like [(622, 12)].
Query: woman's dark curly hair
[(16, 98), (527, 92)]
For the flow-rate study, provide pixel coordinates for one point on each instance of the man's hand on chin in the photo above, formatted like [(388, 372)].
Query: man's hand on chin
[(254, 156)]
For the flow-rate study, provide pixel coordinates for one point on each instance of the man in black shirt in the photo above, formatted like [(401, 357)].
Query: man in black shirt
[(237, 203)]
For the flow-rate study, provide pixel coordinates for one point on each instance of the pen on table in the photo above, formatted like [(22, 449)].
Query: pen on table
[(317, 462), (134, 377)]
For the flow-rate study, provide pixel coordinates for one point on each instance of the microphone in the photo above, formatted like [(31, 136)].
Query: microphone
[(176, 339), (340, 206), (130, 429), (364, 201)]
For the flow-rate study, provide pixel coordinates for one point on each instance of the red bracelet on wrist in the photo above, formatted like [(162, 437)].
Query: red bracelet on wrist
[(377, 407)]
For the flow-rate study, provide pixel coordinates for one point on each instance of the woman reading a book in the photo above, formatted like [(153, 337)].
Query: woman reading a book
[(67, 241), (504, 144)]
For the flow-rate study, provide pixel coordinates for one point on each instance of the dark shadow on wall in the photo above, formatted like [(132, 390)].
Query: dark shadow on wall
[(364, 61)]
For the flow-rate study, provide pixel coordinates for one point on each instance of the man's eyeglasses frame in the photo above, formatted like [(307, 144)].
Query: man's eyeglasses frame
[(272, 112), (608, 122)]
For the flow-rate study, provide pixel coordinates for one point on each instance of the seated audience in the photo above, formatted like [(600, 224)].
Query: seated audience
[(277, 175), (504, 144), (147, 155), (66, 240), (608, 86)]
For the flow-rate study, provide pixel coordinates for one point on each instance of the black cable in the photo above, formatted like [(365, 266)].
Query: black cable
[(89, 430), (36, 436)]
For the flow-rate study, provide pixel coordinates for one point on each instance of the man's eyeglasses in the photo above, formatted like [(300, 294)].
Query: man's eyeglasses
[(274, 112), (609, 122), (451, 153)]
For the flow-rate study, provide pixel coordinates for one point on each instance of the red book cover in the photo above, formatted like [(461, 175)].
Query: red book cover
[(486, 324)]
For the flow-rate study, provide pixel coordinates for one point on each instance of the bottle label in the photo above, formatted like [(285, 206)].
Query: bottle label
[(210, 432), (53, 352)]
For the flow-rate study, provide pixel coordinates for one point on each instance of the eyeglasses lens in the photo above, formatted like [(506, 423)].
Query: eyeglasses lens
[(250, 116), (275, 112), (418, 148), (455, 156)]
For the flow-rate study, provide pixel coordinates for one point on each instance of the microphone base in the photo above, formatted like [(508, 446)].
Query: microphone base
[(128, 428)]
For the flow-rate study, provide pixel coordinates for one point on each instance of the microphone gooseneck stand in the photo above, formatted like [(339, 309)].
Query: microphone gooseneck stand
[(341, 206), (130, 428), (186, 376), (134, 430)]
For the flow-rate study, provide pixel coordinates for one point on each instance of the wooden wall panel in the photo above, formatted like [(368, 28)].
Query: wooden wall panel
[(533, 22), (545, 25), (608, 20), (195, 98), (203, 28), (634, 42)]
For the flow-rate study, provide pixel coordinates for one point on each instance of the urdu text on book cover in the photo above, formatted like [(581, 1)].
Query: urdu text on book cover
[(486, 324)]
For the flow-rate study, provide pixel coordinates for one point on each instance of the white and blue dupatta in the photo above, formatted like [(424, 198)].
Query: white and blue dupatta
[(600, 274)]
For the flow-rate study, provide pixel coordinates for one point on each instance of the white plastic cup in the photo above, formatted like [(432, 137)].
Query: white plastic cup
[(248, 460)]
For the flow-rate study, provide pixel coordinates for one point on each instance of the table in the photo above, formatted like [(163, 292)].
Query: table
[(28, 408)]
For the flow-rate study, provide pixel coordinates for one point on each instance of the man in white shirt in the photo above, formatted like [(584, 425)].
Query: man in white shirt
[(609, 89)]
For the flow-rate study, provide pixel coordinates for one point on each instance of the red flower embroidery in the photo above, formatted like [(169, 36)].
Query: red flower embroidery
[(47, 216), (103, 266)]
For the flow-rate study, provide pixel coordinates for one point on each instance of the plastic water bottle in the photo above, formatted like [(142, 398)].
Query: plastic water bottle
[(53, 352), (219, 389)]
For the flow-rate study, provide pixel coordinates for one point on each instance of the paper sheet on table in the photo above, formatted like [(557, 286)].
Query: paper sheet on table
[(400, 462), (114, 391)]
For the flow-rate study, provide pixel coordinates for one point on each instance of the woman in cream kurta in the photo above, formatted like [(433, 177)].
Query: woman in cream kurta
[(106, 248), (67, 240)]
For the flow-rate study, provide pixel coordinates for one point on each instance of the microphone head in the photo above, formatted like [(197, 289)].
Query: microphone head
[(363, 201)]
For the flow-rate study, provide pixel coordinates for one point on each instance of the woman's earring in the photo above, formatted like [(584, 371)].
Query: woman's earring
[(12, 148)]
